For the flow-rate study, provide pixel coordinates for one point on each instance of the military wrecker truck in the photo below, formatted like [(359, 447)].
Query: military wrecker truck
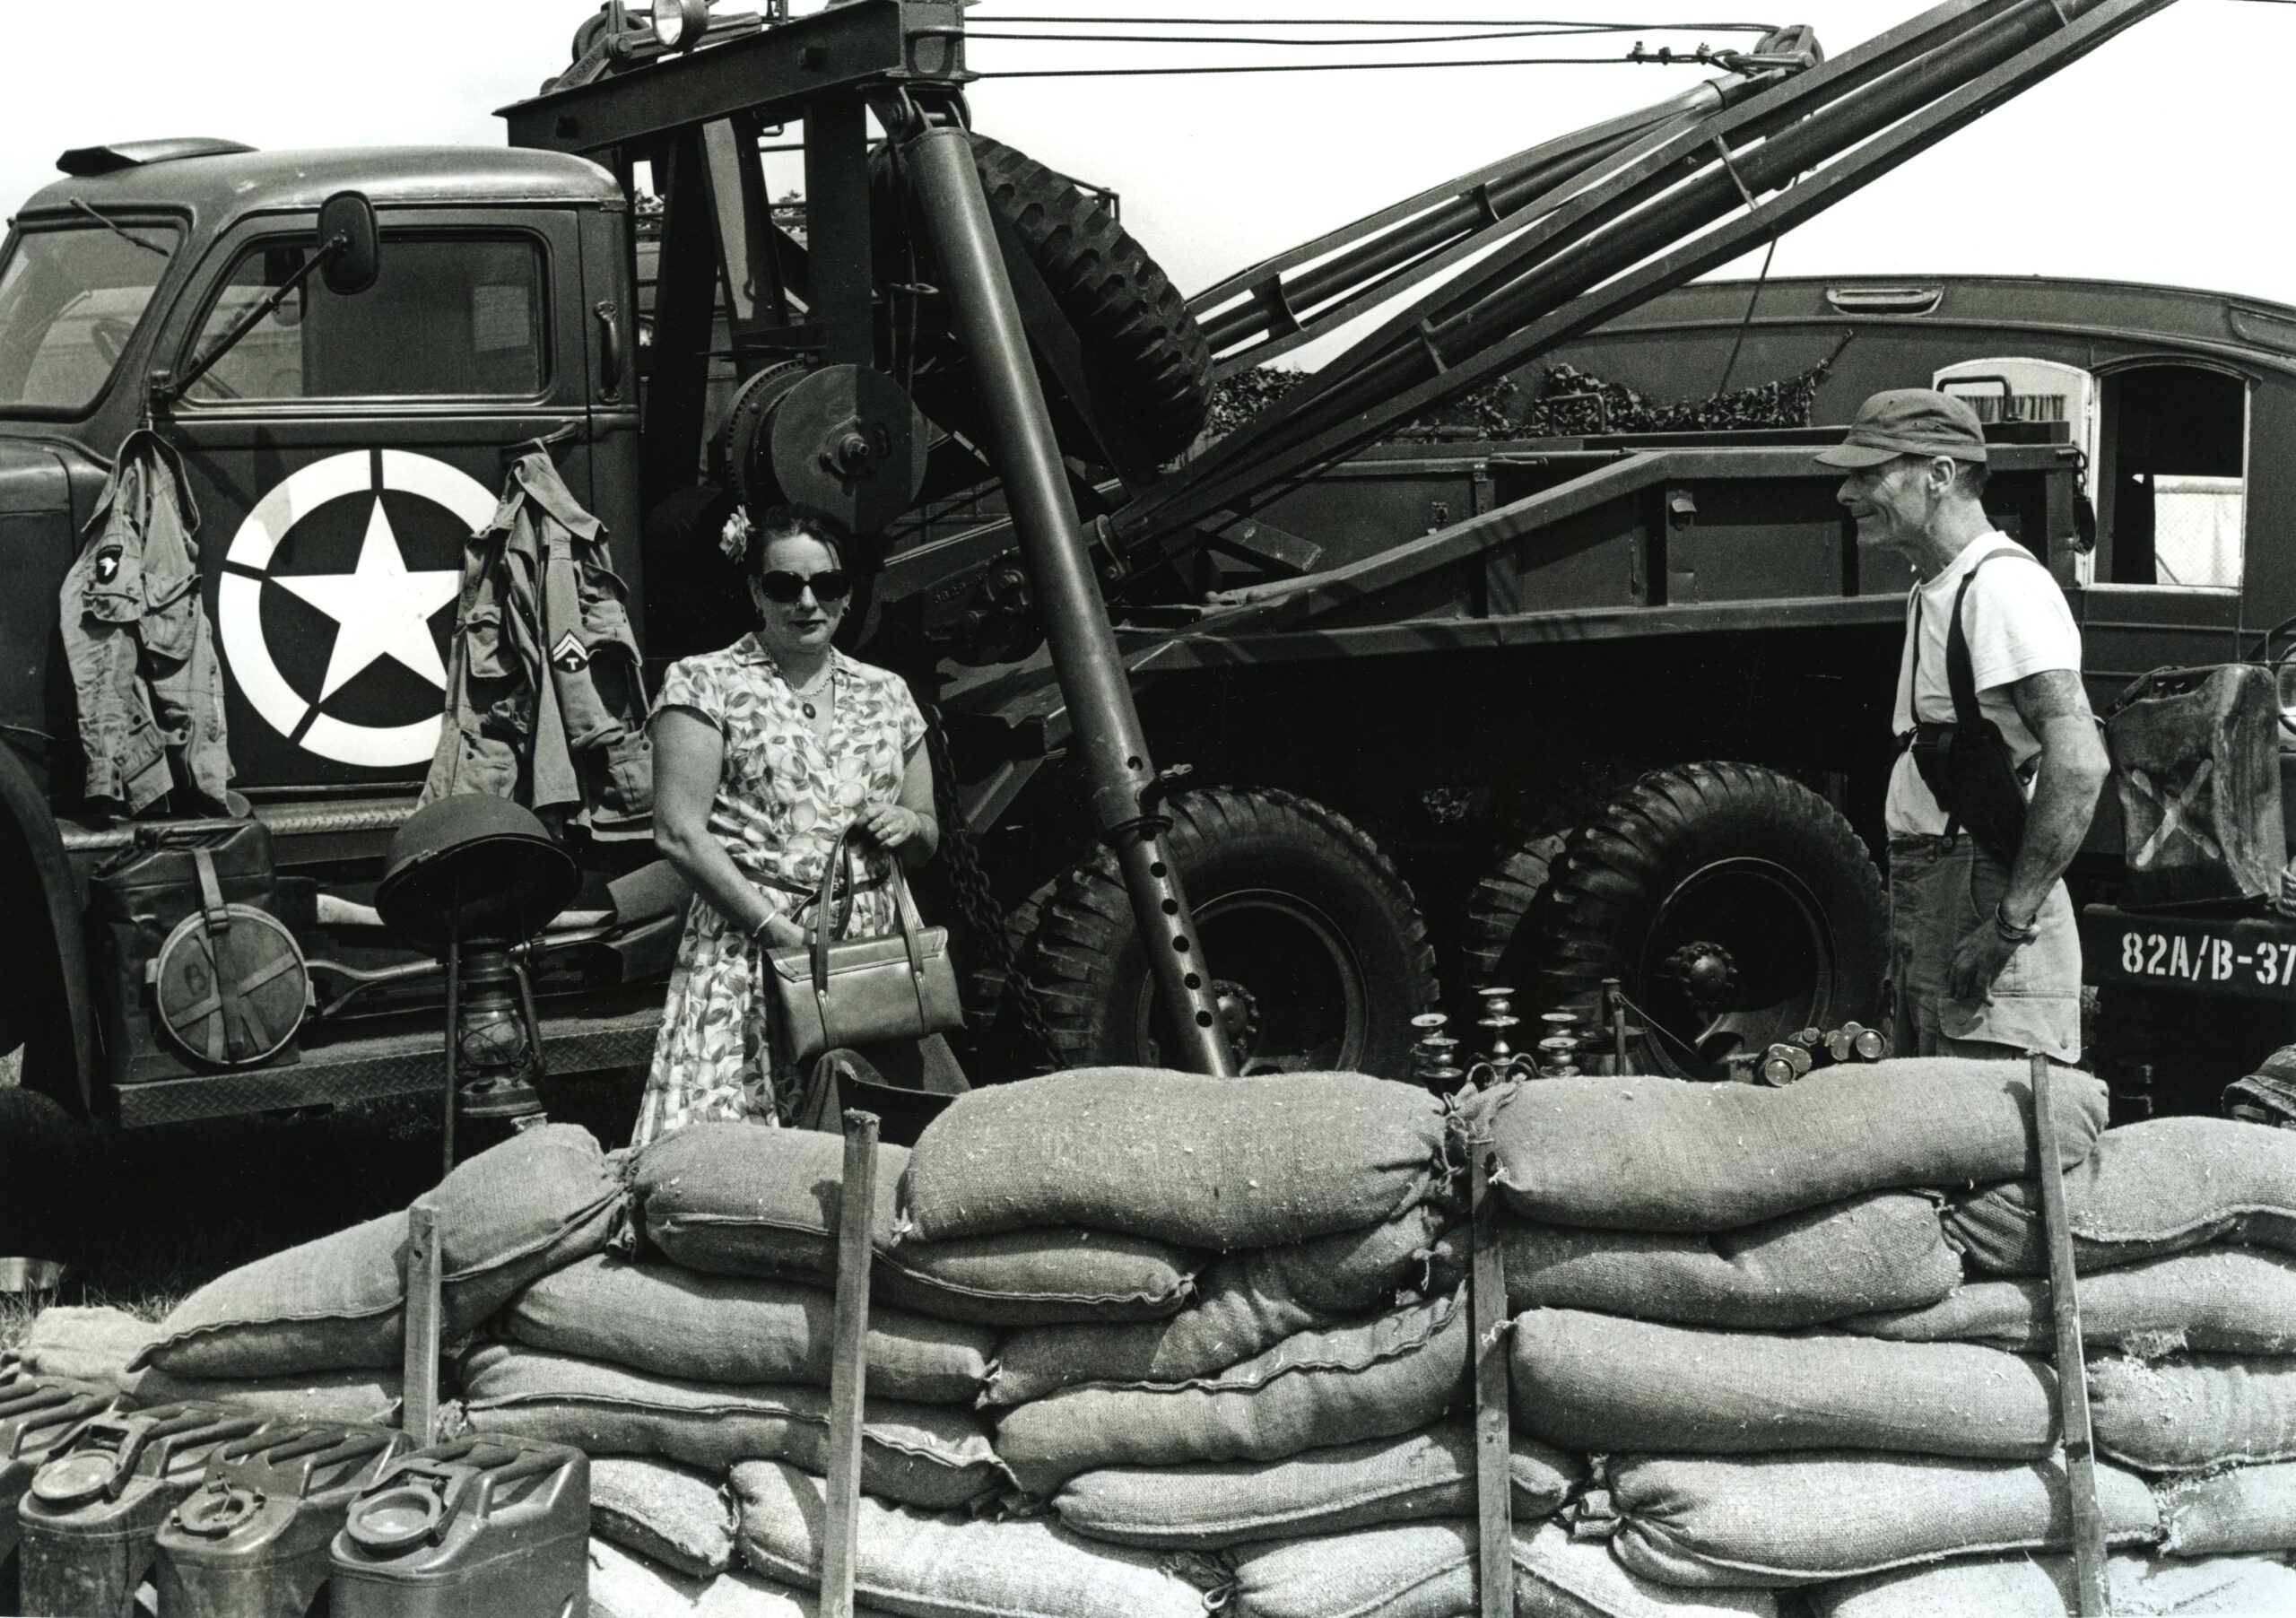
[(1532, 706)]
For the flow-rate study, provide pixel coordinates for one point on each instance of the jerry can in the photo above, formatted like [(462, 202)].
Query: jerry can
[(94, 1509), (483, 1524), (253, 1540), (37, 1416)]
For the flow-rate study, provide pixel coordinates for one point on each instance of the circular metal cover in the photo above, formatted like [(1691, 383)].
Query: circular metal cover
[(482, 866), (216, 1510), (848, 440), (394, 1519), (231, 995), (73, 1480)]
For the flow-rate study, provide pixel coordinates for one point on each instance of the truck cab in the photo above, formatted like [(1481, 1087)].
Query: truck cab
[(338, 456)]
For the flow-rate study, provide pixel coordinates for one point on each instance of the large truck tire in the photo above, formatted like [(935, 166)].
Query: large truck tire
[(1134, 326), (1497, 930), (1319, 954), (1494, 939), (1733, 906), (45, 1161)]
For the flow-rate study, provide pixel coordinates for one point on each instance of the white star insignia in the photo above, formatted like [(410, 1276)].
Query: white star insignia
[(381, 609)]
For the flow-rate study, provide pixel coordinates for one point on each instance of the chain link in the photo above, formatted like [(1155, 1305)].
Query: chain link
[(985, 917)]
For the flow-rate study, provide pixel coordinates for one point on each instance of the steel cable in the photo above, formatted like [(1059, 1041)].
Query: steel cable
[(1463, 38), (1127, 72), (1555, 26)]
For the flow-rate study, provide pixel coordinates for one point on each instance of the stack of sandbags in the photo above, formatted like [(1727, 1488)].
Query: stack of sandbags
[(1691, 1265), (2183, 1232), (1296, 1382), (708, 1350), (317, 1333), (708, 1346)]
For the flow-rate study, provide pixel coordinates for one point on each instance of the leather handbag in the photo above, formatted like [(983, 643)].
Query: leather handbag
[(832, 992)]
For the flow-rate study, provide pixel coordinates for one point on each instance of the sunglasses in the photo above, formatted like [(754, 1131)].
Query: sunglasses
[(782, 585)]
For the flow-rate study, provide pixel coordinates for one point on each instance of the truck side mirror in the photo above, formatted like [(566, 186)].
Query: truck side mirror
[(348, 216)]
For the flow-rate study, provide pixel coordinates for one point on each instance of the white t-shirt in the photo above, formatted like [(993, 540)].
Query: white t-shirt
[(2017, 624)]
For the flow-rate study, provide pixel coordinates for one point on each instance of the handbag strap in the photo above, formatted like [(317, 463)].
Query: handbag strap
[(817, 936), (911, 919), (912, 923)]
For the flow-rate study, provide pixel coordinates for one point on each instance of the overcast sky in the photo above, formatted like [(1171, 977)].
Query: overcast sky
[(2160, 158)]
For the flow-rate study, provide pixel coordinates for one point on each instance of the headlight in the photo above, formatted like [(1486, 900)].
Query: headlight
[(679, 24), (2284, 679)]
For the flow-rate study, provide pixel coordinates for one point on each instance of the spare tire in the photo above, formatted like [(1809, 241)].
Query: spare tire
[(1134, 326), (1733, 906), (1319, 955)]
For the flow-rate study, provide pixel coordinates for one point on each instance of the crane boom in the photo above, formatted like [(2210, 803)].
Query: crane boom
[(1604, 240)]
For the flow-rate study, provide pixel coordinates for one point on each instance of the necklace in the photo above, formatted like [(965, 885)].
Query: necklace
[(814, 688)]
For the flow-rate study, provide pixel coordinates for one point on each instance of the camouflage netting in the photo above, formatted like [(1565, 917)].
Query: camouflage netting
[(1570, 403)]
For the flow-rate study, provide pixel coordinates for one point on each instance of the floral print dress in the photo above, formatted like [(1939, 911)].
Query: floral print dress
[(784, 794)]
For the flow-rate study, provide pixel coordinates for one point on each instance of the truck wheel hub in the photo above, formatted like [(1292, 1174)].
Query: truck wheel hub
[(1703, 973)]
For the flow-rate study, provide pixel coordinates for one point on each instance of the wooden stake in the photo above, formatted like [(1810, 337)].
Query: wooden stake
[(1493, 1418), (849, 1371), (419, 1391), (2090, 1596)]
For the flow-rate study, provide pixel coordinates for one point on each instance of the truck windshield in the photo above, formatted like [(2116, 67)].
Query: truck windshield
[(70, 298)]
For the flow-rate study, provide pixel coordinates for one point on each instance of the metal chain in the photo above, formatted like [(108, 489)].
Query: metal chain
[(985, 917)]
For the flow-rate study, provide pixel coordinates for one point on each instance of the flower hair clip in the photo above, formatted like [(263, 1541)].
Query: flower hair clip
[(735, 539)]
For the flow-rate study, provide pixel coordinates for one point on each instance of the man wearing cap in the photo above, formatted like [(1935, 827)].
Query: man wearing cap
[(1985, 960)]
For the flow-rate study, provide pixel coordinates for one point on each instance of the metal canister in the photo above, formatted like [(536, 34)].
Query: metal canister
[(483, 1524), (94, 1509), (255, 1539), (37, 1416)]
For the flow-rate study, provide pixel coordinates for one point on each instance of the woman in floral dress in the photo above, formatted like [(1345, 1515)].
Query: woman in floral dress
[(764, 754)]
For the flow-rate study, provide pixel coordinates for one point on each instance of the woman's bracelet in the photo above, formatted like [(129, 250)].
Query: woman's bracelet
[(758, 934), (2009, 930)]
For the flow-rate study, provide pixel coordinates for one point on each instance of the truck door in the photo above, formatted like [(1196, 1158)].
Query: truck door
[(343, 452)]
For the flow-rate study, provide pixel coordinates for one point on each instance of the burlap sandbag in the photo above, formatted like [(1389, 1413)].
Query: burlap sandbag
[(2192, 1413), (1558, 1577), (1021, 1278), (1882, 1251), (735, 1199), (1602, 1384), (2159, 1187), (1426, 1571), (929, 1566), (624, 1585), (537, 1201), (1388, 1376), (2238, 1301), (354, 1398), (927, 1455), (1250, 1302), (2244, 1510), (2041, 1587), (727, 1199), (1206, 1163), (94, 1344), (1772, 1521), (666, 1514), (1640, 1153), (723, 1329), (1332, 1491)]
